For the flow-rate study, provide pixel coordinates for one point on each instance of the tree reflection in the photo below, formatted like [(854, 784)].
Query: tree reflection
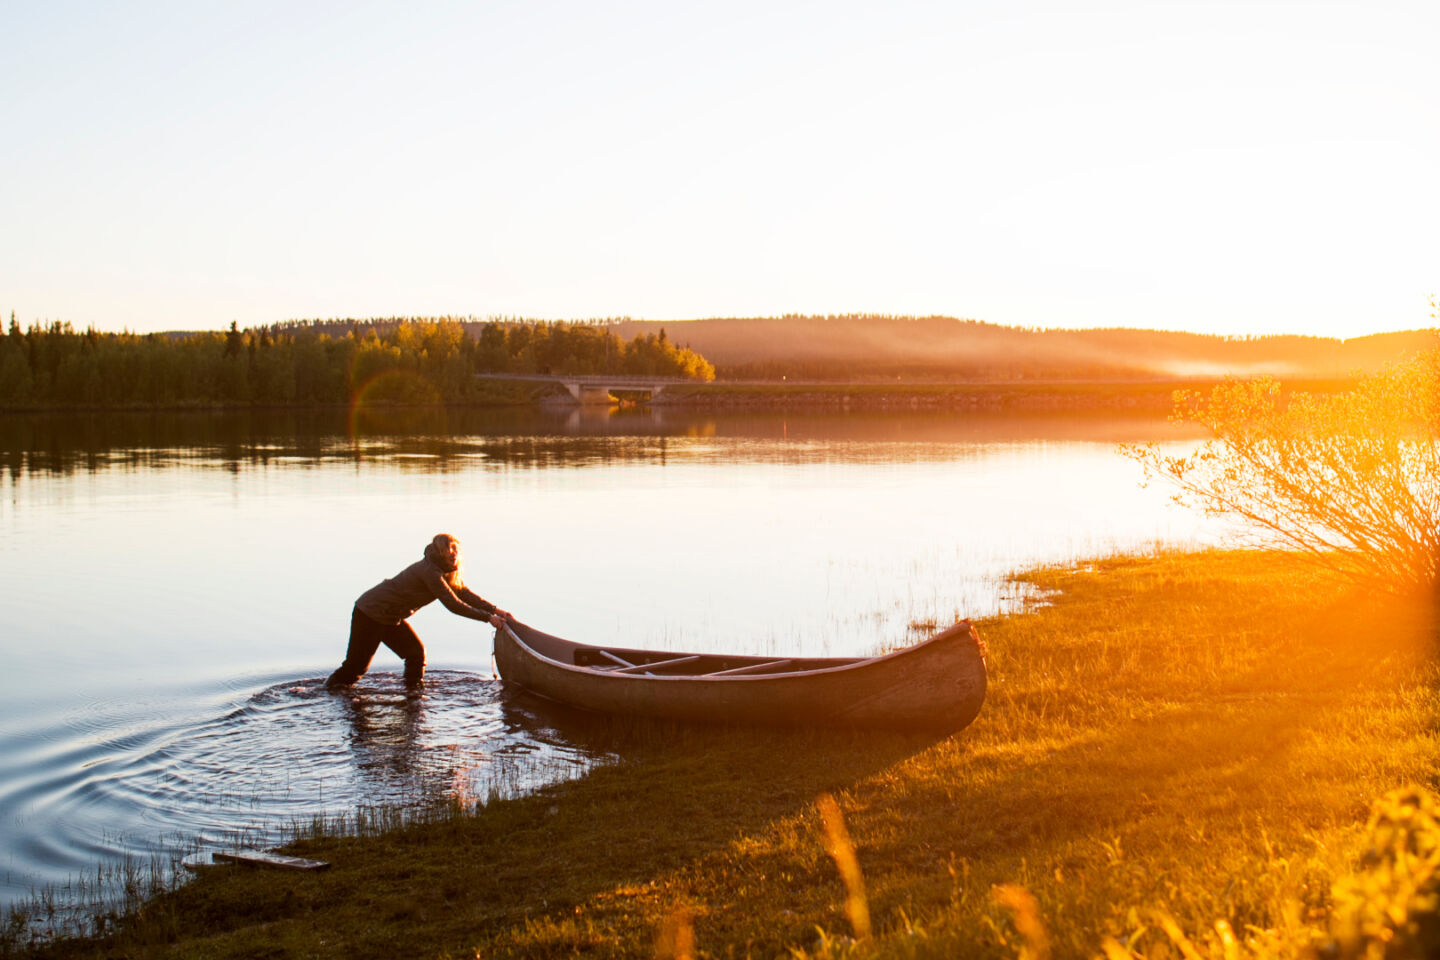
[(432, 439)]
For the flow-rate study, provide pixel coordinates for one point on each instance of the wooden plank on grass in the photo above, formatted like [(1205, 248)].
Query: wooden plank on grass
[(260, 858)]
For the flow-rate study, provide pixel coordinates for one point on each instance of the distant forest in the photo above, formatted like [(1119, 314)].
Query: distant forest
[(405, 360), (417, 359), (860, 347)]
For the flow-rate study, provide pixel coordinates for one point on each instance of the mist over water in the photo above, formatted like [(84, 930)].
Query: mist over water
[(176, 587)]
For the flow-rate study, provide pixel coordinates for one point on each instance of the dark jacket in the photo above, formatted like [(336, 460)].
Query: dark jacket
[(396, 598)]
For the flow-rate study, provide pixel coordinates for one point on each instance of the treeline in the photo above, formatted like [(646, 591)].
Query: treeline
[(397, 360)]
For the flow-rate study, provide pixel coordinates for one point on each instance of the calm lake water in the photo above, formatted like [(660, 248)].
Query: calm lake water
[(176, 587)]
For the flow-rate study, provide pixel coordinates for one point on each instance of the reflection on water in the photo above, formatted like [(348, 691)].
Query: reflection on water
[(177, 583), (445, 440)]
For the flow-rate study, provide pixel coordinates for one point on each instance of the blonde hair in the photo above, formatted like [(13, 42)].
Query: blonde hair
[(441, 542)]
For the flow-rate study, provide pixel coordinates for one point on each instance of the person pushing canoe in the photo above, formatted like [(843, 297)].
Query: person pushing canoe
[(381, 612)]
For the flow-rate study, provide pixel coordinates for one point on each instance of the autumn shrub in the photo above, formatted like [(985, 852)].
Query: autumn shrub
[(1350, 479)]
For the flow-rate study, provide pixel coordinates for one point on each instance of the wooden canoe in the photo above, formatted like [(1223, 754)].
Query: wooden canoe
[(935, 685)]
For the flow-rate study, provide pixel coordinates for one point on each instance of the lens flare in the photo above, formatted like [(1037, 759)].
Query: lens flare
[(396, 401)]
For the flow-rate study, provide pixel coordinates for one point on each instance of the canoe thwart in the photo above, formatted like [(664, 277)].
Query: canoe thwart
[(654, 664), (752, 668)]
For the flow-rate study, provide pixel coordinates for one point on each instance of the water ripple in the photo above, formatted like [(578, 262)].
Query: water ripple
[(116, 780)]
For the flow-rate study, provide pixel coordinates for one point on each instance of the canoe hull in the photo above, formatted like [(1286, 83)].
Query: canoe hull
[(935, 685)]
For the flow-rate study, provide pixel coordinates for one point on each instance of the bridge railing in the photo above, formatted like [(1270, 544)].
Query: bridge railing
[(595, 387)]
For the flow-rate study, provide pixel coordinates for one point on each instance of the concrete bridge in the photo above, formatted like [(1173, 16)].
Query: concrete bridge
[(596, 388)]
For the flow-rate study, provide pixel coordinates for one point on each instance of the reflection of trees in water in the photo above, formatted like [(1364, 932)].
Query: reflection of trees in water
[(453, 439)]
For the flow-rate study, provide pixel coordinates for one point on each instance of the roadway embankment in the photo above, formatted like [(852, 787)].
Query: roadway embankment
[(1059, 395)]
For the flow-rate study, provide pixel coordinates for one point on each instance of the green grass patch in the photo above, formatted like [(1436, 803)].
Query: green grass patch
[(1199, 734)]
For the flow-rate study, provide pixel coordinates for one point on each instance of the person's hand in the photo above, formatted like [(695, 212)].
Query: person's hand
[(503, 616)]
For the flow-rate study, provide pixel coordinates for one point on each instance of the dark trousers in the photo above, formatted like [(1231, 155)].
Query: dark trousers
[(365, 638)]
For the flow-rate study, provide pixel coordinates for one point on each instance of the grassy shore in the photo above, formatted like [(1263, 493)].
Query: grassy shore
[(1202, 735)]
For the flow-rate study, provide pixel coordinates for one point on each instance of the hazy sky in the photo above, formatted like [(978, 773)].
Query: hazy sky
[(1232, 167)]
